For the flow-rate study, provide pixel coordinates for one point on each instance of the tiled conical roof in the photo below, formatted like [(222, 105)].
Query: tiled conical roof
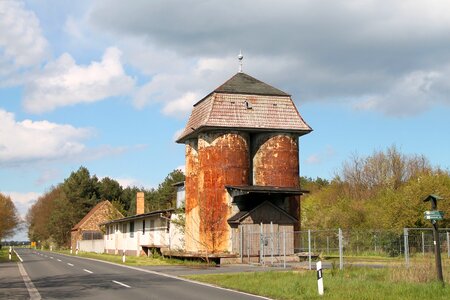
[(242, 83), (245, 103)]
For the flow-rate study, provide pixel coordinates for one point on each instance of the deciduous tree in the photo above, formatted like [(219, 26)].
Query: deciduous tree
[(9, 218)]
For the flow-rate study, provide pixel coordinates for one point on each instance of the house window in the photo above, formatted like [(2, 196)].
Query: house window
[(152, 225), (124, 229), (131, 229), (143, 226), (92, 235)]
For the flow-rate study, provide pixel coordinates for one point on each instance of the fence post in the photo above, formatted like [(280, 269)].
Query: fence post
[(375, 241), (328, 245), (357, 243), (341, 250), (405, 236), (423, 243), (271, 243), (261, 245), (241, 248), (448, 244), (284, 247), (249, 243), (309, 249)]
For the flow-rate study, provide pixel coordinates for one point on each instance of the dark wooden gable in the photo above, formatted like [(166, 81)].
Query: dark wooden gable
[(265, 213)]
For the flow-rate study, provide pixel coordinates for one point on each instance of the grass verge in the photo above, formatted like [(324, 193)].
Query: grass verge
[(4, 255), (136, 260), (351, 283)]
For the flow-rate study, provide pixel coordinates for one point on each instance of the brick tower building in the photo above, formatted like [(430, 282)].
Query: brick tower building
[(242, 164)]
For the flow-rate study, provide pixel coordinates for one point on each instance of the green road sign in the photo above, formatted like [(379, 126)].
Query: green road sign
[(434, 215)]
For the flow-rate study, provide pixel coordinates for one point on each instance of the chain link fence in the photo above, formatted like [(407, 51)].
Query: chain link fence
[(279, 248)]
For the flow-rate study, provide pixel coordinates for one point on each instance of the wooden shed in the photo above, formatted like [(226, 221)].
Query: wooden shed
[(266, 228)]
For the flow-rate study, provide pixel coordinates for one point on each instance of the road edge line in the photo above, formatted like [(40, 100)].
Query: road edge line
[(32, 291), (171, 276), (20, 258)]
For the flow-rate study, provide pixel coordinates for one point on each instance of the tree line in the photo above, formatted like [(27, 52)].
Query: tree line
[(54, 214), (384, 190)]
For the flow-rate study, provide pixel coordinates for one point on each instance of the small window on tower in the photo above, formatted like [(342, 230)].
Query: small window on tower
[(248, 104)]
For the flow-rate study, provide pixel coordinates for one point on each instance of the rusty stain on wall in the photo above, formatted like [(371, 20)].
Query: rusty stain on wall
[(245, 133), (222, 158), (275, 160)]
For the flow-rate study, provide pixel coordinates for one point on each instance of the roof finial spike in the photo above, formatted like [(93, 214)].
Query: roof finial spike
[(240, 58)]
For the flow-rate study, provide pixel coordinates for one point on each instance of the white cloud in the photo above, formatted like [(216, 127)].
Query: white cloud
[(182, 105), (320, 50), (22, 201), (20, 35), (181, 83), (32, 141), (73, 28), (63, 82), (128, 182), (177, 134), (409, 95), (48, 174)]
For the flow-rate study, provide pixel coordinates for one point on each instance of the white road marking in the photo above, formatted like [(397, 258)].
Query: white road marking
[(34, 294), (70, 264), (51, 257), (58, 259), (174, 277), (90, 272), (122, 284), (20, 258)]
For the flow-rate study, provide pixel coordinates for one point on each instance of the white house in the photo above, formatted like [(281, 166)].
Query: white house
[(144, 232)]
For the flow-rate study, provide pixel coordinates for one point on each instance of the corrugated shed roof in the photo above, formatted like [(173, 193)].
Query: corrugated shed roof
[(236, 106)]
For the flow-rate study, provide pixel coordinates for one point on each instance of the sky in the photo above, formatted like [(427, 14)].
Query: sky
[(109, 85)]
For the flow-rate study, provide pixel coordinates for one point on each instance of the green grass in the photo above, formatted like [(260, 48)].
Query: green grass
[(352, 283), (135, 260), (4, 255)]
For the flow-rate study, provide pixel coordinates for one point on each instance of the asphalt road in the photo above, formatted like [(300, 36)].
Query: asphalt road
[(58, 276)]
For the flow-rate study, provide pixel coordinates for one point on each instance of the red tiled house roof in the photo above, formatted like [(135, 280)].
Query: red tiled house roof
[(245, 103)]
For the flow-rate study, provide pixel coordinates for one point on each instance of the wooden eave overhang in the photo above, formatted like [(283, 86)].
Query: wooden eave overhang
[(161, 213), (235, 191)]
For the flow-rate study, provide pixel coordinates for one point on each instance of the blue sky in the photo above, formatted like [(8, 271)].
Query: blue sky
[(109, 84)]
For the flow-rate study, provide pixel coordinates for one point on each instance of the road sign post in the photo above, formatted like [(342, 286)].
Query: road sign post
[(434, 215)]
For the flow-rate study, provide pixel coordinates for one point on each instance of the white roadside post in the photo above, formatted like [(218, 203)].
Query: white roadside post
[(123, 256), (319, 277), (10, 251)]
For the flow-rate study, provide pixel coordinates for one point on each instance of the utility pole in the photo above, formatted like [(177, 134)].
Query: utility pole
[(435, 215)]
